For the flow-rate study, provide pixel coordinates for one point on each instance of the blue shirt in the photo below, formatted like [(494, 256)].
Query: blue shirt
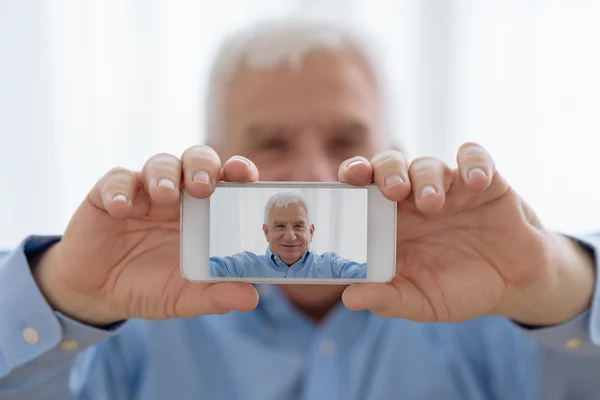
[(274, 352), (310, 265)]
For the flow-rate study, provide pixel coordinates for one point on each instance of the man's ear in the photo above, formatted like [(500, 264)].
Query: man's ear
[(266, 231), (312, 229)]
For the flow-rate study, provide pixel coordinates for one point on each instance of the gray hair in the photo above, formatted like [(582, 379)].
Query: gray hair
[(283, 200), (274, 42)]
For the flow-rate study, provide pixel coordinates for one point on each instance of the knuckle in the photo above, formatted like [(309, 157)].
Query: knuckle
[(389, 156), (161, 159), (118, 178), (240, 158), (162, 163), (116, 171), (426, 163), (388, 168), (427, 168), (473, 158), (425, 175), (200, 150), (470, 145), (354, 159), (202, 159), (118, 175), (472, 150)]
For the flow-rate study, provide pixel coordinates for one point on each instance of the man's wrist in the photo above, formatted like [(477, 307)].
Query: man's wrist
[(42, 263), (565, 293)]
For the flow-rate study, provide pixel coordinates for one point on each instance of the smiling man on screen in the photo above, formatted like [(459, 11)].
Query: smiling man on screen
[(289, 233), (486, 302)]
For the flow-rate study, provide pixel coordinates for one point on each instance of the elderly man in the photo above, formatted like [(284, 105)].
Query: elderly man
[(289, 234), (486, 303)]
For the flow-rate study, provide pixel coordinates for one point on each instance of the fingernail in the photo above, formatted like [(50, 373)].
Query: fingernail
[(120, 197), (201, 177), (240, 158), (426, 191), (392, 181), (166, 183), (476, 172), (353, 163)]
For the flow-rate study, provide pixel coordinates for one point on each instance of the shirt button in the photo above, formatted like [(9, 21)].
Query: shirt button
[(31, 336), (69, 345), (327, 347), (573, 343)]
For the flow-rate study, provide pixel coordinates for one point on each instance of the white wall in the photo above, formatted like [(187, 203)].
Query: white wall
[(89, 85), (339, 216)]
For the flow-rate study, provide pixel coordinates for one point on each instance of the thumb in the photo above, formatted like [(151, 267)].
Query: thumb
[(389, 300), (216, 298)]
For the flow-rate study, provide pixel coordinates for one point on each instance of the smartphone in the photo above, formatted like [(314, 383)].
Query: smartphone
[(289, 233)]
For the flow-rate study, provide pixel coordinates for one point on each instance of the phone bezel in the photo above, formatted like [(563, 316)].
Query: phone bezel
[(381, 236)]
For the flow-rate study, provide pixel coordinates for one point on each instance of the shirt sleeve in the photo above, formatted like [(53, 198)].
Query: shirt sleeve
[(226, 267), (37, 344), (580, 335), (345, 269)]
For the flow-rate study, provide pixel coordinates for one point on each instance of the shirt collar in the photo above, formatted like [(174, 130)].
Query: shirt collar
[(280, 314), (281, 265)]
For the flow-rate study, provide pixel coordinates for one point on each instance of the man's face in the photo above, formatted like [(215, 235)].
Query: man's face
[(288, 232), (300, 125)]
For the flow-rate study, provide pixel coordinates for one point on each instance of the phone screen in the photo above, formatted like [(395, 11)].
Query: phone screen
[(275, 232)]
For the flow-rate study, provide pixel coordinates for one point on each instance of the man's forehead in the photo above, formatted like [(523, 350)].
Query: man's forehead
[(291, 221), (332, 94), (290, 212), (318, 64), (321, 78)]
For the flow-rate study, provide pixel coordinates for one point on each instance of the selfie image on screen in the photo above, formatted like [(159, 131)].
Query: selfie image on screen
[(288, 233)]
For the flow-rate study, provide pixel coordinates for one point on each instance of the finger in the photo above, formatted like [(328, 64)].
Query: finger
[(388, 301), (239, 169), (429, 177), (476, 166), (217, 298), (201, 170), (356, 171), (234, 296), (368, 296), (162, 173), (115, 192), (391, 174)]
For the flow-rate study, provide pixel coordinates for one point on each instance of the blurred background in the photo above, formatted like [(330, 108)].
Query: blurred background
[(88, 85)]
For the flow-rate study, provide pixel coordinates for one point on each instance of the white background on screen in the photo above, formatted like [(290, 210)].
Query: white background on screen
[(339, 216)]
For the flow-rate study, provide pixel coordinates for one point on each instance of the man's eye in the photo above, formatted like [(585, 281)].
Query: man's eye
[(343, 143), (273, 144)]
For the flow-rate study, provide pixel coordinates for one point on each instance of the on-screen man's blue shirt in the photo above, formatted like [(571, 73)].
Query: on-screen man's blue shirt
[(310, 265), (276, 353)]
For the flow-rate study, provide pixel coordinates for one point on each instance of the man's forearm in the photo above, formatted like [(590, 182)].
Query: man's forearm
[(567, 293)]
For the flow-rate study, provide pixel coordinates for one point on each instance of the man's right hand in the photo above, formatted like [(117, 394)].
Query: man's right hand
[(119, 256)]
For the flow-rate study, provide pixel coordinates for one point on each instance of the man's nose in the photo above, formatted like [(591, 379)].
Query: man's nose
[(312, 164), (289, 233)]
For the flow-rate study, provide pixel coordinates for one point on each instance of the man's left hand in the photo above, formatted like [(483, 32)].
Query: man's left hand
[(468, 246)]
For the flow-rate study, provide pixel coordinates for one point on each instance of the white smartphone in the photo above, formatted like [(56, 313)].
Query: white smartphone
[(289, 232)]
